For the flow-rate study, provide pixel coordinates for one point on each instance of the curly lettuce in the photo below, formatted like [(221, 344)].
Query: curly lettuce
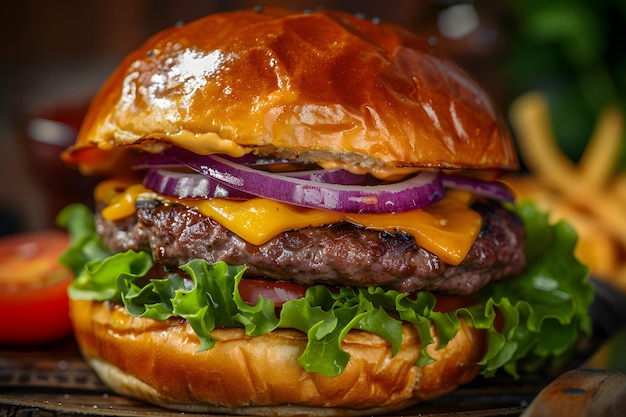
[(532, 319)]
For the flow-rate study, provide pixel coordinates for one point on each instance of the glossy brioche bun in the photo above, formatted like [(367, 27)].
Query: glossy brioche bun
[(156, 361), (323, 86)]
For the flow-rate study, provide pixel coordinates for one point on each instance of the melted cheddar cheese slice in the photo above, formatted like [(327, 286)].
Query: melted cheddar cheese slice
[(447, 228)]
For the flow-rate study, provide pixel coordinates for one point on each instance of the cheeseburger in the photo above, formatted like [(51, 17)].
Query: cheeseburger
[(300, 213)]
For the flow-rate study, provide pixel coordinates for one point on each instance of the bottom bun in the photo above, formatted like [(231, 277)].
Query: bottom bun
[(158, 362)]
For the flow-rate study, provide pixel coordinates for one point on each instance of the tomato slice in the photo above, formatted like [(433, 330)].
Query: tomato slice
[(282, 291), (34, 304), (447, 303), (278, 291)]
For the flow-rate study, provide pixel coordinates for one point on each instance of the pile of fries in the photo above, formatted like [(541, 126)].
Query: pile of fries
[(590, 195)]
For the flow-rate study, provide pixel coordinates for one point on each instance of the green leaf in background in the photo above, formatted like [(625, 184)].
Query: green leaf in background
[(572, 51), (560, 22)]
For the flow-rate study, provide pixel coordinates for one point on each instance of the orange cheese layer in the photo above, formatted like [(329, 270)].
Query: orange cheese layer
[(447, 228)]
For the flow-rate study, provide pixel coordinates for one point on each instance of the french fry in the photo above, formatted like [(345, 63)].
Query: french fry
[(538, 147), (618, 187), (595, 249), (590, 189), (619, 279), (598, 161)]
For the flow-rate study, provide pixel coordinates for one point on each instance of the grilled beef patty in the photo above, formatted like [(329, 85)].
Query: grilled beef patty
[(342, 254)]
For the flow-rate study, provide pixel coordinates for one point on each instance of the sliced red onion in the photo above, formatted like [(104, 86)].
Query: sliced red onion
[(188, 185), (333, 176), (488, 189), (329, 176), (157, 160), (160, 160), (337, 190), (414, 193)]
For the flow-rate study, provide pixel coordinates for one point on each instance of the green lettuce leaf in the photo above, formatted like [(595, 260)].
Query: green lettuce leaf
[(531, 319), (545, 309), (85, 245)]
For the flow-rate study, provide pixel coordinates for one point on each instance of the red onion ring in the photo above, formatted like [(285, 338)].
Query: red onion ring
[(489, 189), (328, 176), (158, 160), (411, 194), (333, 176), (338, 190), (188, 185)]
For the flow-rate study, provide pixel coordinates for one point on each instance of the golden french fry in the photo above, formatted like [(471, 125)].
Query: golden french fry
[(543, 157), (600, 156), (618, 188), (538, 148), (619, 279), (596, 246)]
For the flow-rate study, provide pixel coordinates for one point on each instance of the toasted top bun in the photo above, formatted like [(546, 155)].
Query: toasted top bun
[(324, 86)]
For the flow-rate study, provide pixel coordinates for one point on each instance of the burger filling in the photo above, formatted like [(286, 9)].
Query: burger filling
[(343, 254), (193, 238), (549, 297)]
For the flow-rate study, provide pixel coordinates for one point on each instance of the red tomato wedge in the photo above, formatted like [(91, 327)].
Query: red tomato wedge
[(446, 303), (282, 291), (33, 288), (278, 291)]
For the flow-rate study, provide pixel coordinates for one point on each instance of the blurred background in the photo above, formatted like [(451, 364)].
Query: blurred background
[(55, 55)]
